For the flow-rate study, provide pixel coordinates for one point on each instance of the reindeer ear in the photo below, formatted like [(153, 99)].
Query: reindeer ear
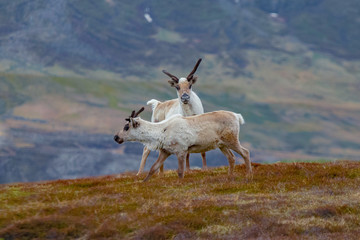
[(193, 80), (172, 83), (134, 123)]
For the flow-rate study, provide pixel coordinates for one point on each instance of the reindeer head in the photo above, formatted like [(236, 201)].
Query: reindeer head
[(183, 85), (125, 133)]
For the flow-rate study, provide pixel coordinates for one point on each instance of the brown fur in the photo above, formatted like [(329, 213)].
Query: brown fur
[(184, 88), (163, 108)]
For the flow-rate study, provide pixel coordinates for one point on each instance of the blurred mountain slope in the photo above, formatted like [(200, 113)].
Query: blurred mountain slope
[(115, 35)]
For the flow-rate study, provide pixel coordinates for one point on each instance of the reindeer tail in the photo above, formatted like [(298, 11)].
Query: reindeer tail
[(153, 103), (241, 119)]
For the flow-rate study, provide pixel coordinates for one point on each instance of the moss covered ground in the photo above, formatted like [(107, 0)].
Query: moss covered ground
[(283, 201)]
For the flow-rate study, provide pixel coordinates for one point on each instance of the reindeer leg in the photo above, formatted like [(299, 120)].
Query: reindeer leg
[(145, 154), (230, 156), (203, 156), (161, 169), (187, 162), (181, 157), (246, 156), (162, 157)]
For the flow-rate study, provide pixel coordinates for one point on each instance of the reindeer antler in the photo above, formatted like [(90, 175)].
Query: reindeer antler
[(174, 78), (138, 112), (191, 75), (134, 115)]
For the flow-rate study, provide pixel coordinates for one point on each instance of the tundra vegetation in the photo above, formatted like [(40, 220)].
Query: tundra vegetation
[(283, 201)]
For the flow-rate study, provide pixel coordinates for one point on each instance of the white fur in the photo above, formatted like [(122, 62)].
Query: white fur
[(147, 134), (182, 80), (194, 107), (179, 133), (153, 103), (241, 119)]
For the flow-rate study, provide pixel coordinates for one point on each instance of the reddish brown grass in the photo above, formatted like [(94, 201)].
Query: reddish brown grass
[(283, 201)]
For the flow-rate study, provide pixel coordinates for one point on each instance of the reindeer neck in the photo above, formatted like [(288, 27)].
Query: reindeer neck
[(148, 132)]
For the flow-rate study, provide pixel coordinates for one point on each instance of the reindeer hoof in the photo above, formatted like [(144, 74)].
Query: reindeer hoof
[(147, 178), (249, 176)]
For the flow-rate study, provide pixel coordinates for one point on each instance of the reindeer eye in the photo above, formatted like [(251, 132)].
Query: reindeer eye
[(190, 86), (177, 87), (126, 127)]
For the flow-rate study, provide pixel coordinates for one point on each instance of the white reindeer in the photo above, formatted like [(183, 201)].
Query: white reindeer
[(181, 135), (187, 104)]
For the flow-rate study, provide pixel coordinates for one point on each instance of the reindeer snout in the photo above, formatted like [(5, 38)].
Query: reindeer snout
[(118, 139), (185, 98)]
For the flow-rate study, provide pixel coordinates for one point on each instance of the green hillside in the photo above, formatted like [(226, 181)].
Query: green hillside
[(283, 201), (291, 110)]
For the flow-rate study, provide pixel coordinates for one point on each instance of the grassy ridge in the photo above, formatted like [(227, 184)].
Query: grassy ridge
[(284, 200)]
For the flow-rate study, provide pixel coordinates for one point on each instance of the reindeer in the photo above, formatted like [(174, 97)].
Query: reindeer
[(187, 104), (182, 135)]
